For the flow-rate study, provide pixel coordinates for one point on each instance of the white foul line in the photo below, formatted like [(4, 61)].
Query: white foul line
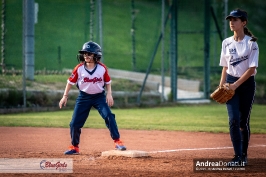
[(199, 149)]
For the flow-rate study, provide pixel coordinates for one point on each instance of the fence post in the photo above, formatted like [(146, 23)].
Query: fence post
[(207, 26), (3, 36), (173, 50), (28, 37), (133, 18)]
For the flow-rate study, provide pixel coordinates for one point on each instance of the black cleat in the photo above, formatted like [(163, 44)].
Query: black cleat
[(236, 162), (245, 159)]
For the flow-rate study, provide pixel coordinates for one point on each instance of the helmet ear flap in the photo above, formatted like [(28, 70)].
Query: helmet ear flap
[(80, 58), (97, 58)]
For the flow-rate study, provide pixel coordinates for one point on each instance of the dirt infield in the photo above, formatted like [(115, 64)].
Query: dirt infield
[(171, 152)]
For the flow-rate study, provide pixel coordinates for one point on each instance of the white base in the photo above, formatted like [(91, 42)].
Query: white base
[(127, 153)]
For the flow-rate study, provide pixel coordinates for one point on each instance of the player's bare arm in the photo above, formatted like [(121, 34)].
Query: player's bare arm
[(223, 76), (63, 100), (109, 97)]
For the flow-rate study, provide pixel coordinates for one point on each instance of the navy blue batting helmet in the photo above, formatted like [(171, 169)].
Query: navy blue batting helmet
[(92, 47)]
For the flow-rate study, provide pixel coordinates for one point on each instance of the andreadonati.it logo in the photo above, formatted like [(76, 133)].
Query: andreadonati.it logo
[(217, 164)]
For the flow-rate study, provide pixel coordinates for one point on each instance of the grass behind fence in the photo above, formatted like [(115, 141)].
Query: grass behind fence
[(63, 26), (204, 118)]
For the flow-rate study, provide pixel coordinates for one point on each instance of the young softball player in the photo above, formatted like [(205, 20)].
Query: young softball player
[(91, 77), (239, 59)]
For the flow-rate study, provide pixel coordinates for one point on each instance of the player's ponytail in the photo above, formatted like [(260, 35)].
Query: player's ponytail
[(247, 32)]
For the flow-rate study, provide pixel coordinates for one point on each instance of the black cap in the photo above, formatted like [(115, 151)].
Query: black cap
[(237, 14)]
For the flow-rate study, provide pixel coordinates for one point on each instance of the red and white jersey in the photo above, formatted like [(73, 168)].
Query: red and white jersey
[(239, 56), (91, 82)]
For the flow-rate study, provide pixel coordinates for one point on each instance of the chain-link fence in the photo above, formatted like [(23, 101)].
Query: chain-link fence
[(130, 31)]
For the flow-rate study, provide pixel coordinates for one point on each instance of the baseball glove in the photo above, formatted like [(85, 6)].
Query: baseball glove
[(222, 94)]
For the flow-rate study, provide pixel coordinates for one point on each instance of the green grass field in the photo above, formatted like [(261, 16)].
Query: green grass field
[(204, 118), (64, 25)]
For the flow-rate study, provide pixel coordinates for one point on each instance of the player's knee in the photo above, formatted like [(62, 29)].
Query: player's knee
[(110, 116), (234, 123), (109, 119), (243, 128)]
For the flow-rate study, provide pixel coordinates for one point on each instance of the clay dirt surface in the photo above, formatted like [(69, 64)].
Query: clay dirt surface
[(171, 153)]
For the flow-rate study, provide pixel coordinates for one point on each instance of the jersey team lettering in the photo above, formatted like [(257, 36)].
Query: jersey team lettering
[(236, 61), (93, 80)]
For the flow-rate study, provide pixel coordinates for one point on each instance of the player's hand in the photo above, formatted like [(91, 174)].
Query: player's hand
[(109, 100), (62, 102), (231, 86)]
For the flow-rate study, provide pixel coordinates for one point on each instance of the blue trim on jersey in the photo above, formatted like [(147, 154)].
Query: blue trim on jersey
[(90, 72)]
